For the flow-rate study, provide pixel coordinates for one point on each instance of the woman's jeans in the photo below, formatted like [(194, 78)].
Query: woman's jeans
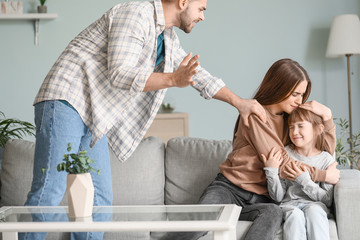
[(57, 124), (305, 221), (266, 216)]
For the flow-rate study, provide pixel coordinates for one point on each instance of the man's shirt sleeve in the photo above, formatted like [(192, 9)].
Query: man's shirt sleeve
[(127, 35)]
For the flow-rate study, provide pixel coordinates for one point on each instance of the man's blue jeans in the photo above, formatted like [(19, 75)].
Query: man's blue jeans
[(56, 125)]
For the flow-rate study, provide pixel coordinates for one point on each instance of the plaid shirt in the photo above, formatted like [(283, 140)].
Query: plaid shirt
[(103, 71)]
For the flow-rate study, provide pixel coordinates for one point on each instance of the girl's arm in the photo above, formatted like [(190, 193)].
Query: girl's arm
[(314, 191), (276, 187)]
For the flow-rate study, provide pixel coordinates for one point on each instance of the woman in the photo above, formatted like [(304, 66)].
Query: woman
[(242, 180)]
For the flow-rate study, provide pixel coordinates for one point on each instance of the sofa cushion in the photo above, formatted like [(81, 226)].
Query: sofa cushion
[(16, 172), (141, 178), (191, 164)]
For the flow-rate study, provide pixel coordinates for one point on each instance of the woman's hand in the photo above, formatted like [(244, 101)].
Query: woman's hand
[(273, 160), (292, 171), (332, 174), (319, 109)]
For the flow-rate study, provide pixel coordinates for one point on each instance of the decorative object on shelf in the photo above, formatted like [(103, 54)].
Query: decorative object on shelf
[(42, 8), (14, 128), (344, 40), (348, 156), (79, 187), (12, 7), (167, 108)]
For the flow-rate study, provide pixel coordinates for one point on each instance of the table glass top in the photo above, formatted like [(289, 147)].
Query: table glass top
[(114, 213)]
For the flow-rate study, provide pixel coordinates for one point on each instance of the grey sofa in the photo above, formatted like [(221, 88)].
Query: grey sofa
[(173, 174)]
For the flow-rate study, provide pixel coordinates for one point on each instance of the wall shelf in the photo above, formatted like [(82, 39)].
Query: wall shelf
[(36, 17)]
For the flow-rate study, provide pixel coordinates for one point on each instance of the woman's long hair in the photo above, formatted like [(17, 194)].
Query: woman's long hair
[(280, 81)]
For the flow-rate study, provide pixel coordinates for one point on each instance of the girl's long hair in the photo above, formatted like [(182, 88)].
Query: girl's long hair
[(280, 81)]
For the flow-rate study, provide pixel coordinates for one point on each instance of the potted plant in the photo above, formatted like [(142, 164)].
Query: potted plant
[(351, 155), (79, 186), (167, 108), (13, 128), (42, 8)]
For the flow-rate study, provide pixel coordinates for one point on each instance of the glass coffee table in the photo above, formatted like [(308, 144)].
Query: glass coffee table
[(220, 219)]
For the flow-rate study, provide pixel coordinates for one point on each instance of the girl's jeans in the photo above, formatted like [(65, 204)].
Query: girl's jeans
[(266, 216), (57, 124), (305, 221)]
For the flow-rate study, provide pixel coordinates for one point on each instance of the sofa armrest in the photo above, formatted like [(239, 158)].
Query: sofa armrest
[(347, 208)]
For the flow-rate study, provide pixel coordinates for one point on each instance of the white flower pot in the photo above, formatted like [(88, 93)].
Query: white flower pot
[(80, 194)]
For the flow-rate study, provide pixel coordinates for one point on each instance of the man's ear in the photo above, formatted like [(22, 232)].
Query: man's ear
[(183, 4)]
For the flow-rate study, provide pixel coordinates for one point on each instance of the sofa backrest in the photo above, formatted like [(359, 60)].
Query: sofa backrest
[(140, 180), (16, 172), (191, 164)]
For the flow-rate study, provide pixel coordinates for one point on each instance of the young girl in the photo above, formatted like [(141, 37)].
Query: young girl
[(242, 178), (304, 202)]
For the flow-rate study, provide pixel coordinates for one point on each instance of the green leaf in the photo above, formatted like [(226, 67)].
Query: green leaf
[(89, 160), (74, 156), (69, 147)]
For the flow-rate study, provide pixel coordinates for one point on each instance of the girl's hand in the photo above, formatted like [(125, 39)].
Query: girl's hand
[(319, 109), (292, 171), (273, 160)]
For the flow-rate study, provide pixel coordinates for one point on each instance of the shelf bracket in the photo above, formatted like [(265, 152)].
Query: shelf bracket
[(36, 26), (36, 17)]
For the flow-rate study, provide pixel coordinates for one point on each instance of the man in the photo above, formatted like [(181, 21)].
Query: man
[(107, 86)]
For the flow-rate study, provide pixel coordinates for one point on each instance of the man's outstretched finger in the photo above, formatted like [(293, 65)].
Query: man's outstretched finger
[(194, 59), (194, 66), (186, 59)]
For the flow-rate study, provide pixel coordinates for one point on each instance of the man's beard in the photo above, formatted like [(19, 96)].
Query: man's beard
[(185, 21)]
